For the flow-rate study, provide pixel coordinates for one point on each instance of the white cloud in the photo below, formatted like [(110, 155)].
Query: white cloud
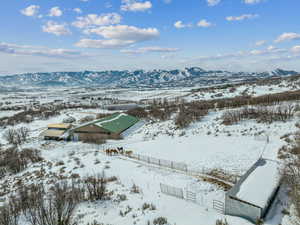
[(118, 36), (288, 37), (149, 49), (242, 17), (295, 49), (124, 32), (77, 10), (213, 2), (111, 43), (97, 20), (269, 50), (56, 28), (179, 24), (252, 1), (135, 6), (108, 5), (55, 11), (32, 10), (260, 43), (37, 51), (204, 23)]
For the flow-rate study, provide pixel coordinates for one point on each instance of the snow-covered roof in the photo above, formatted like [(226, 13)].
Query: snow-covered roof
[(60, 125), (259, 184), (52, 133)]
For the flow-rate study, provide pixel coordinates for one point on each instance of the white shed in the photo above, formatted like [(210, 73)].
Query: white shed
[(254, 193)]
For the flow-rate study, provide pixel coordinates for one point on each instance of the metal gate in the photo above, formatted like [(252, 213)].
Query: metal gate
[(191, 196), (172, 191), (219, 206)]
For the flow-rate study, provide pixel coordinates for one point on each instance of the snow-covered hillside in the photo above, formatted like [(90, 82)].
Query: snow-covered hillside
[(214, 151), (188, 77)]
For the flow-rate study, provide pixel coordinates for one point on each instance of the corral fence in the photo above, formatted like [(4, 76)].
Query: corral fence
[(183, 167), (194, 197), (161, 162), (172, 191), (219, 206)]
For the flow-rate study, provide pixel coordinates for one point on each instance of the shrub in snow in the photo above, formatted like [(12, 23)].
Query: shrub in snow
[(135, 189), (221, 222), (86, 119), (126, 211), (9, 215), (69, 120), (160, 221), (16, 136), (40, 206), (291, 175), (122, 197), (259, 222), (15, 161), (148, 206), (96, 187), (97, 223)]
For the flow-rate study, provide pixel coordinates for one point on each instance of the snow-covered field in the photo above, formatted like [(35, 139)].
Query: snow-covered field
[(206, 144)]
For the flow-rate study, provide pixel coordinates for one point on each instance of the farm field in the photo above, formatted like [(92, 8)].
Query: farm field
[(204, 146)]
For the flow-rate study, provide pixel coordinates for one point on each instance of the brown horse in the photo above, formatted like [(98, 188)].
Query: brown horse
[(114, 152), (128, 153), (108, 152)]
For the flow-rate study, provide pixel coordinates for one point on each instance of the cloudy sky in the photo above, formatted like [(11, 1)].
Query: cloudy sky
[(73, 35)]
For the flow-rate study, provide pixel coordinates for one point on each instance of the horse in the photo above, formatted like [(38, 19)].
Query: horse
[(128, 153), (114, 152), (120, 150)]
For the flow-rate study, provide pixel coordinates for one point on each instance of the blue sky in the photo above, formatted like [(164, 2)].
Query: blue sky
[(72, 35)]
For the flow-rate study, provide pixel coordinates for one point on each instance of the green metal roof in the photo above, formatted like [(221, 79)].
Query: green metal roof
[(117, 122)]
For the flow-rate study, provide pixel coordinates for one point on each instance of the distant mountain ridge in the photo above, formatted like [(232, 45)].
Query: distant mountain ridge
[(139, 78)]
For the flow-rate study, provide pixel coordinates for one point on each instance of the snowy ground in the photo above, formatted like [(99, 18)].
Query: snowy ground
[(205, 144)]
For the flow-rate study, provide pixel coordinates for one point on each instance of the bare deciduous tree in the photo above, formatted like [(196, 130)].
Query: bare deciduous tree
[(96, 187)]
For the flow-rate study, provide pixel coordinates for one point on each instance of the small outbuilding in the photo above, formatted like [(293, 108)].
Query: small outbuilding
[(252, 197), (115, 124), (56, 131)]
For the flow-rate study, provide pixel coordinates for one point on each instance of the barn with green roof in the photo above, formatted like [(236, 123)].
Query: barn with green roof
[(112, 125)]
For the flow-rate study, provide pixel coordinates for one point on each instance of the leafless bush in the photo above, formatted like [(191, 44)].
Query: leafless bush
[(135, 189), (221, 222), (102, 115), (52, 207), (16, 136), (292, 179), (16, 161), (86, 119), (96, 223), (96, 187), (138, 112), (188, 114), (261, 114), (160, 221), (9, 215)]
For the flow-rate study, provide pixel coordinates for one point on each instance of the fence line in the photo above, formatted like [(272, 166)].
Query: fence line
[(219, 206), (192, 197), (161, 162), (172, 191), (183, 167)]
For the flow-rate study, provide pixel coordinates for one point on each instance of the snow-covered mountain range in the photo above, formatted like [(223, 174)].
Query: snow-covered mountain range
[(139, 78)]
